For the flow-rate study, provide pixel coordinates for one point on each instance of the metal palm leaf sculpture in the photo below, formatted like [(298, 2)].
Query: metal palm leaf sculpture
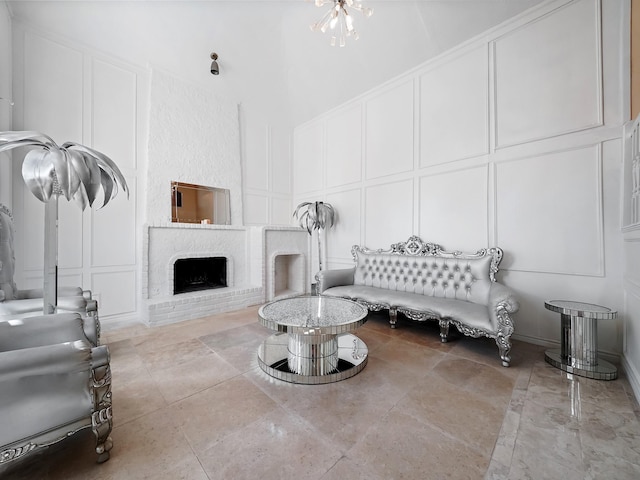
[(316, 216), (71, 170)]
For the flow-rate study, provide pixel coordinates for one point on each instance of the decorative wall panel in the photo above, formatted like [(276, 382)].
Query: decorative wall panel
[(454, 105), (70, 235), (256, 152), (281, 211), (256, 209), (308, 143), (549, 212), (389, 131), (114, 113), (344, 147), (550, 87), (115, 291), (347, 230), (453, 209), (280, 161), (53, 95), (114, 230), (388, 213)]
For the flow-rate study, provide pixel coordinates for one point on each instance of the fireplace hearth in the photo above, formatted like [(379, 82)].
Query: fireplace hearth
[(194, 274)]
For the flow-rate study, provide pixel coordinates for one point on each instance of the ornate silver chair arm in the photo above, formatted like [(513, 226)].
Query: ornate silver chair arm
[(334, 278)]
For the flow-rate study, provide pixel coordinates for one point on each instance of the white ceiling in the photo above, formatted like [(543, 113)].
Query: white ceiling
[(269, 58)]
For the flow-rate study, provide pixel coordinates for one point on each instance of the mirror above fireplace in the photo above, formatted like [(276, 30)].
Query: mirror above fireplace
[(199, 204)]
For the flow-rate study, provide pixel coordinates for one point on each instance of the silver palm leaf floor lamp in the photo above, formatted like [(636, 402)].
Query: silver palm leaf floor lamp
[(71, 170)]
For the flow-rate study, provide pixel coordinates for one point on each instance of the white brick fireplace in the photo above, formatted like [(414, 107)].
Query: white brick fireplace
[(263, 263)]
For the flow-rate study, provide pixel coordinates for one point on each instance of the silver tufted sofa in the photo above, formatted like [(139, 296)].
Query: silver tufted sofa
[(424, 282)]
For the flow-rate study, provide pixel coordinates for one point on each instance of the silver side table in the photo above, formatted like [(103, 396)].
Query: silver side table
[(579, 340)]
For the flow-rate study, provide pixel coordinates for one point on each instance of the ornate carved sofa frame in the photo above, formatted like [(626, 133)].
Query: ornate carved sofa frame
[(424, 282)]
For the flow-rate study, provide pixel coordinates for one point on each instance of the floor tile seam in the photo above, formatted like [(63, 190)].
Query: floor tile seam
[(204, 389), (522, 443), (491, 474), (194, 452), (118, 424), (449, 435), (503, 433)]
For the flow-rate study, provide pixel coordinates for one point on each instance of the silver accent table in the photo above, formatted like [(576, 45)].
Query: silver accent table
[(313, 344), (579, 340)]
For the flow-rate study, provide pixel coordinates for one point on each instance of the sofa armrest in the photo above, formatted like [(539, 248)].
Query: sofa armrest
[(500, 294), (29, 332), (59, 358), (502, 300), (39, 293), (334, 278)]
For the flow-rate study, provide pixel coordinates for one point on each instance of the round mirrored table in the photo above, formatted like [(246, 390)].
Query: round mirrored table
[(579, 340), (313, 343)]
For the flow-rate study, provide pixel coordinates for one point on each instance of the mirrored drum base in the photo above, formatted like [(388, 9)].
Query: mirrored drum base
[(274, 359), (602, 371)]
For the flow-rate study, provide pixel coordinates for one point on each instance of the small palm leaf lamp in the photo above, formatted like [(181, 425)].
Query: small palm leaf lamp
[(316, 216), (71, 170)]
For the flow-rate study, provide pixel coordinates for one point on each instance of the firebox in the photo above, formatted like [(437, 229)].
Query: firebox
[(193, 274)]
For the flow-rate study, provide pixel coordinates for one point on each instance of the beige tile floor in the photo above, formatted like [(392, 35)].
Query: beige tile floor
[(190, 402)]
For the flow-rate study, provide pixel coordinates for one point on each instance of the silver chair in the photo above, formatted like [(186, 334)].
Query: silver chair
[(14, 301), (53, 383)]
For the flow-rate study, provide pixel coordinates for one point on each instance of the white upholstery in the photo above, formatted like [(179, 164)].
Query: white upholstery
[(424, 282), (14, 301), (53, 382)]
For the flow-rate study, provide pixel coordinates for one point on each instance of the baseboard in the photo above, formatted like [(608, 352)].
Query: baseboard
[(633, 376), (119, 321), (611, 357)]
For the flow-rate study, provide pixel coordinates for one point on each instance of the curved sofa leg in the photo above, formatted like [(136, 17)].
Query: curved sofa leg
[(393, 316), (102, 418), (503, 337), (444, 330)]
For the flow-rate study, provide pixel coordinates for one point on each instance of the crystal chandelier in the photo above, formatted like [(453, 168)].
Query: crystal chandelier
[(338, 20)]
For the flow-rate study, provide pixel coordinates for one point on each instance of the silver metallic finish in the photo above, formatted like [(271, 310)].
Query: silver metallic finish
[(579, 340), (317, 348)]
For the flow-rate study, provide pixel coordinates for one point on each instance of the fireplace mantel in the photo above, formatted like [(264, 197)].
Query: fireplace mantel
[(250, 253)]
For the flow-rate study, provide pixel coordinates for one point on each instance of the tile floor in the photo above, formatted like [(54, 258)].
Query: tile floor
[(190, 402)]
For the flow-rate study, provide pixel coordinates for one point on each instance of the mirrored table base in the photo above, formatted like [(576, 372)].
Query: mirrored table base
[(303, 365), (602, 371)]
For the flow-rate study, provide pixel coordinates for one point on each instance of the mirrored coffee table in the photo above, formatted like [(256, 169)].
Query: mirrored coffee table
[(313, 343)]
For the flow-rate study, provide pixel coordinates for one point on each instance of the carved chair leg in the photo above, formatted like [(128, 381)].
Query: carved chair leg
[(444, 331), (505, 330), (393, 316), (102, 418), (504, 347)]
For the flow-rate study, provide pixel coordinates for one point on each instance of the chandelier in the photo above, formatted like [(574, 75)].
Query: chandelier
[(338, 20)]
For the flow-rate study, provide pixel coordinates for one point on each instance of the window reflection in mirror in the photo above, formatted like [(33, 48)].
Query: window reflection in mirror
[(199, 204)]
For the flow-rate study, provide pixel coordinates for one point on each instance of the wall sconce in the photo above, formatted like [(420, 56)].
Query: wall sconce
[(215, 69)]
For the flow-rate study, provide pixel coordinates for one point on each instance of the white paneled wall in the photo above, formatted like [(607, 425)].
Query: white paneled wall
[(505, 140), (562, 50), (6, 93), (454, 105), (389, 131), (72, 94), (631, 230), (266, 170)]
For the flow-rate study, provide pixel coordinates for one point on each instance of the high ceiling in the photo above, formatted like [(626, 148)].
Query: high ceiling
[(269, 58)]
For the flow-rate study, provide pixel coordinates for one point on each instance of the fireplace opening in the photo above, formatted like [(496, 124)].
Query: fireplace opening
[(193, 274)]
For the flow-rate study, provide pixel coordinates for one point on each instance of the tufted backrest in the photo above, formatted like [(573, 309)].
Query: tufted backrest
[(428, 271)]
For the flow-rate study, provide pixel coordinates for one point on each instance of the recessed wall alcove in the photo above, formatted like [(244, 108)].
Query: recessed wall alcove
[(288, 275)]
